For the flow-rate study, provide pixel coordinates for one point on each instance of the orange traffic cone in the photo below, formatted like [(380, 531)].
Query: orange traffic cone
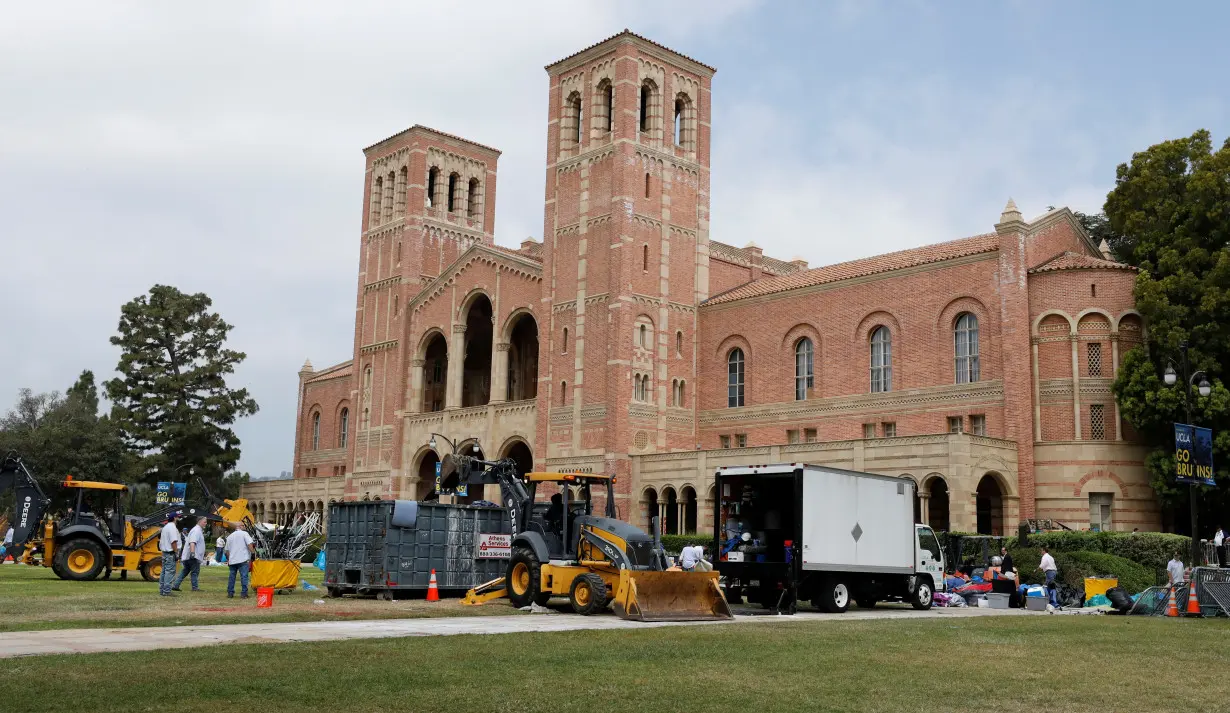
[(1171, 608), (1193, 604), (433, 591)]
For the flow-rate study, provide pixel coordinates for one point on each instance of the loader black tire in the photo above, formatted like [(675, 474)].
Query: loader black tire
[(588, 594), (923, 594), (80, 559), (151, 569), (524, 578), (833, 596)]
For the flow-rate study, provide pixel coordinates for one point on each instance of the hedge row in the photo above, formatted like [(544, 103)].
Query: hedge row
[(1074, 567), (674, 543), (1149, 549)]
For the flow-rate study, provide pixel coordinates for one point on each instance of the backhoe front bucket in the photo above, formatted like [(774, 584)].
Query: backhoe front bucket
[(669, 596)]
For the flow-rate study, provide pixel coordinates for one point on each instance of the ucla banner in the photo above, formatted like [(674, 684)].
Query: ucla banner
[(1193, 454), (171, 493), (461, 490)]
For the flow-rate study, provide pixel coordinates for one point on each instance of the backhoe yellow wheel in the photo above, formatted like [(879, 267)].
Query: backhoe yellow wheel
[(588, 594), (524, 579), (151, 570), (79, 559)]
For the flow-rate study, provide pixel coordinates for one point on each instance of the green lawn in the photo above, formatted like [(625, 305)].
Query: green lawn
[(34, 598), (1027, 664)]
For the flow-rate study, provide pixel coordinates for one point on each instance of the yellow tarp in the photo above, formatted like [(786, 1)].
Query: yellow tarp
[(279, 574), (1095, 586)]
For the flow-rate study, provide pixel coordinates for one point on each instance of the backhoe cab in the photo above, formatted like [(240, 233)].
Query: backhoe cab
[(563, 549)]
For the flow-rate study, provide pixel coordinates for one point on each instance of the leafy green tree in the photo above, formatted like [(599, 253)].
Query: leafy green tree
[(64, 435), (1173, 199), (171, 400)]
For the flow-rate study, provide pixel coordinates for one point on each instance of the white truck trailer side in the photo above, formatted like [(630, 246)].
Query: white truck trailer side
[(794, 532)]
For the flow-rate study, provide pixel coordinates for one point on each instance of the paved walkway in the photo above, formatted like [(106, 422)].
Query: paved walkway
[(88, 641)]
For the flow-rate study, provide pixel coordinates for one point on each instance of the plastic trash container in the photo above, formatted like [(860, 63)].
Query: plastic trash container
[(1099, 585), (264, 597)]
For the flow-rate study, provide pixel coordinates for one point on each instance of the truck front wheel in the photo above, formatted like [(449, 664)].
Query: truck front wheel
[(923, 594), (833, 596)]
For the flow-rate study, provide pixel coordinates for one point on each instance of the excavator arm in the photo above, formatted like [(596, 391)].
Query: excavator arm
[(30, 504)]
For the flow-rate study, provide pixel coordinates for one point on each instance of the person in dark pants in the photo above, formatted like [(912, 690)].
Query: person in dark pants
[(239, 551), (168, 544), (1006, 567), (193, 554)]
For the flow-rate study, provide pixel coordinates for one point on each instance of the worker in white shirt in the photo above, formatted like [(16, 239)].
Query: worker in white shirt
[(692, 559), (220, 549), (1174, 568), (6, 546), (192, 557), (239, 552), (1048, 567), (1219, 542), (168, 544)]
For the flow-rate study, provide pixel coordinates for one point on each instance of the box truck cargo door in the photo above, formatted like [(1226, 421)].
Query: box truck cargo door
[(929, 557)]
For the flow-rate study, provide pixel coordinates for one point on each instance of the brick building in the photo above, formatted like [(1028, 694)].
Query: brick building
[(628, 342)]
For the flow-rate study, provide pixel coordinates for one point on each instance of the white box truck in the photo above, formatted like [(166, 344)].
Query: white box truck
[(793, 532)]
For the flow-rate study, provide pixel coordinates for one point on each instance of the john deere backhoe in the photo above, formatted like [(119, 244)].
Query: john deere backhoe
[(593, 560), (95, 536)]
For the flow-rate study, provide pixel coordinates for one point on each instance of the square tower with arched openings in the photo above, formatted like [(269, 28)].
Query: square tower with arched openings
[(625, 252)]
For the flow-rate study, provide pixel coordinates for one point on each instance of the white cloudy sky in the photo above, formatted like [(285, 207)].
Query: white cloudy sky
[(218, 147)]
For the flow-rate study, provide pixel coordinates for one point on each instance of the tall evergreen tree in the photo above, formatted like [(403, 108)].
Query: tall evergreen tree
[(171, 400), (1173, 200)]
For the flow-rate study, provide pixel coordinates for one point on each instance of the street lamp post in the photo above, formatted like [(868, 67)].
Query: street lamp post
[(1170, 377), (453, 446)]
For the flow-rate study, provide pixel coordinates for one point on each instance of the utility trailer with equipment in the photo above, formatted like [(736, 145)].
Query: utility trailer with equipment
[(793, 532)]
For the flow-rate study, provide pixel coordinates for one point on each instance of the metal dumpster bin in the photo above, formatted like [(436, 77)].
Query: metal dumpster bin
[(387, 547)]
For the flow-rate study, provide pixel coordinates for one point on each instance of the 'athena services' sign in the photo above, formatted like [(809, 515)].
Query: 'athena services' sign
[(1193, 454)]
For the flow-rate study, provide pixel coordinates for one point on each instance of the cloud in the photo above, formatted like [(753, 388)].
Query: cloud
[(219, 150)]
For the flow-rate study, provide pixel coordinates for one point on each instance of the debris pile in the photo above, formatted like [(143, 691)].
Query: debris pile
[(286, 543)]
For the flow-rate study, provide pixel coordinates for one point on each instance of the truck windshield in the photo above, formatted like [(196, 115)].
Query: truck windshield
[(927, 541)]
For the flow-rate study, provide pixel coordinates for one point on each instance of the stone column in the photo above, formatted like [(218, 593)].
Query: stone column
[(499, 372), (456, 366), (1076, 388), (416, 386), (1114, 373), (924, 507)]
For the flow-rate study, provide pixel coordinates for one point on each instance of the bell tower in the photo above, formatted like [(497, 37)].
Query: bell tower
[(626, 254)]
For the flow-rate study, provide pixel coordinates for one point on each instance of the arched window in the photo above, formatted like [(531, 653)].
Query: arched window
[(677, 393), (396, 309), (472, 199), (678, 121), (433, 184), (563, 393), (571, 126), (398, 255), (377, 196), (565, 351), (642, 337), (734, 378), (645, 258), (685, 122), (316, 431), (678, 343), (881, 360), (804, 368), (451, 200), (343, 428), (646, 98), (606, 107), (966, 335), (646, 185)]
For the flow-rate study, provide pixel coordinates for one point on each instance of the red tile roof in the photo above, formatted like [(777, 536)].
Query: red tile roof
[(445, 134), (1069, 260), (861, 268), (631, 34), (515, 251)]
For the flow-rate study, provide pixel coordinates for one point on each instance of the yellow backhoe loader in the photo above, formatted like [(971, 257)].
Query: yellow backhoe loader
[(563, 549), (95, 536)]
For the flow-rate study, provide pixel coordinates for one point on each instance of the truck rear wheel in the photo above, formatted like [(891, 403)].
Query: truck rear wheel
[(524, 578), (79, 559), (923, 594), (833, 596)]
